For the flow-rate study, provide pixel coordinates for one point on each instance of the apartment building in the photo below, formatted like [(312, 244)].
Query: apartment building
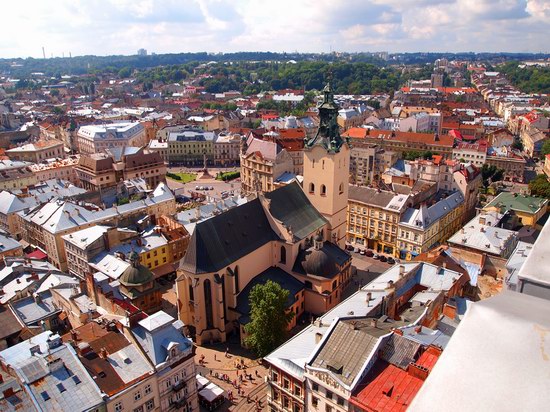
[(423, 227), (368, 162), (475, 153), (373, 218)]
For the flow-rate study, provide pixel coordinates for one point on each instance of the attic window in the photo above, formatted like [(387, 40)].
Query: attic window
[(61, 387), (76, 380), (45, 396)]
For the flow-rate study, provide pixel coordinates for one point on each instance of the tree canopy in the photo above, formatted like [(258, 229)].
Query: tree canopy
[(269, 319), (545, 149), (531, 79), (540, 187)]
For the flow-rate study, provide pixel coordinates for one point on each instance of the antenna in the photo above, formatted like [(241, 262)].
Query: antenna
[(43, 52)]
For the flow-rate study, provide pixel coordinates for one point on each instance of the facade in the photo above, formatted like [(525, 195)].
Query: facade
[(190, 146), (227, 150), (402, 141), (38, 152), (172, 355), (262, 162), (368, 162), (107, 169), (63, 169), (475, 153), (10, 205), (510, 161), (373, 218), (15, 174), (96, 138), (160, 147), (424, 227)]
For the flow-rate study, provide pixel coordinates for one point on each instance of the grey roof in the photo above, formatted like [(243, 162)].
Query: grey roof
[(324, 262), (156, 337), (19, 401), (497, 360), (9, 203), (67, 388), (423, 217), (8, 243), (30, 312), (400, 351), (381, 198)]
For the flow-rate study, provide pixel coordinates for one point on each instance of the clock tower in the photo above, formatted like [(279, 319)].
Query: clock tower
[(326, 169)]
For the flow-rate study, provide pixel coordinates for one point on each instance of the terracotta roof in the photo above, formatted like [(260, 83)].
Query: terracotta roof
[(389, 388), (406, 137)]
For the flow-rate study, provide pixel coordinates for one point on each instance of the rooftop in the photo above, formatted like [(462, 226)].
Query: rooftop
[(501, 341), (520, 203)]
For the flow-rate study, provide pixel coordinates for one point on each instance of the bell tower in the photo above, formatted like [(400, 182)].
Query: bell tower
[(326, 169)]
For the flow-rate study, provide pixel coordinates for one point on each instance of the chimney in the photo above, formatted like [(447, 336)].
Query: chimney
[(74, 335), (369, 297), (390, 284), (449, 311), (418, 329), (444, 265), (103, 353), (401, 271), (373, 323), (318, 337)]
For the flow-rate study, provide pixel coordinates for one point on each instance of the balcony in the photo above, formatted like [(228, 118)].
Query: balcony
[(180, 385)]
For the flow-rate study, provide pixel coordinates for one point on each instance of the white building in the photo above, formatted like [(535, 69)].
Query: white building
[(97, 138)]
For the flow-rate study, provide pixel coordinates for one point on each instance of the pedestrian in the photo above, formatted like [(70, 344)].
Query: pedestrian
[(215, 358)]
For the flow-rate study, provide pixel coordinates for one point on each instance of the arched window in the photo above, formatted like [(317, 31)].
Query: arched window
[(323, 165), (208, 304), (323, 190), (283, 255), (341, 188), (311, 188)]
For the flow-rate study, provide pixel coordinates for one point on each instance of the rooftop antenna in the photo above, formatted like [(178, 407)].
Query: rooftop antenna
[(43, 52)]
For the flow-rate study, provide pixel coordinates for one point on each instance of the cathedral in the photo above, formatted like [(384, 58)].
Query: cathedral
[(293, 235)]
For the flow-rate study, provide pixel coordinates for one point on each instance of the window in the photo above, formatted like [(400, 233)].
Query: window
[(137, 396), (148, 389), (341, 188), (283, 255), (328, 408), (311, 188), (150, 405), (139, 409), (314, 401), (275, 376), (286, 402), (286, 383), (315, 387), (323, 190), (340, 401), (118, 407), (329, 394)]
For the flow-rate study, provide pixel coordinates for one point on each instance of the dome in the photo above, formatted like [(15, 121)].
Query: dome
[(135, 274), (318, 262)]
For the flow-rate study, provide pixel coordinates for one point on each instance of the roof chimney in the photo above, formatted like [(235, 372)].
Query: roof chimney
[(103, 353), (373, 322), (401, 271), (369, 297), (318, 337)]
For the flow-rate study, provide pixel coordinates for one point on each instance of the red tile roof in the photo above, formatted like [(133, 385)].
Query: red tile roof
[(389, 388), (406, 137)]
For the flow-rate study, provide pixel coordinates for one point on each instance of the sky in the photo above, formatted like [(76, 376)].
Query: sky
[(107, 27)]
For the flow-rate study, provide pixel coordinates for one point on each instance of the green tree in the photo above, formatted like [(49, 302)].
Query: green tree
[(125, 72), (268, 317), (540, 187), (545, 148)]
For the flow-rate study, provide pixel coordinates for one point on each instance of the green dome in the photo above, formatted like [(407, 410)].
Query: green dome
[(136, 274)]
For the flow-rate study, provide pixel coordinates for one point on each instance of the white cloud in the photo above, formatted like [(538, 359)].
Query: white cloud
[(122, 26)]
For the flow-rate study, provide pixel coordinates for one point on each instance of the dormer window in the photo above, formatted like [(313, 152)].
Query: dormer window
[(173, 352)]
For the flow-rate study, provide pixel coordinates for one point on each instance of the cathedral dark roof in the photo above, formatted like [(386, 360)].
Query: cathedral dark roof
[(135, 276), (323, 262), (290, 205), (221, 240)]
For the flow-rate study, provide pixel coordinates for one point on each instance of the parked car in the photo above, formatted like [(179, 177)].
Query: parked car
[(383, 258), (349, 247), (391, 260), (369, 253), (198, 188), (211, 188), (376, 256), (182, 199), (356, 249), (362, 251)]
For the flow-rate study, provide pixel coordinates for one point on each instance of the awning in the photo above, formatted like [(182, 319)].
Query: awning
[(211, 392), (37, 254)]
